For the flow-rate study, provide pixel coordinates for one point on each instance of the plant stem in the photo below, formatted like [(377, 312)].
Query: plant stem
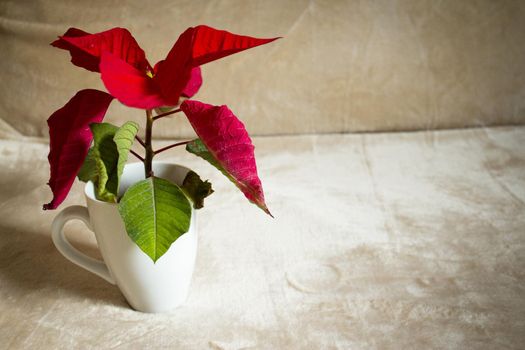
[(166, 114), (171, 146), (136, 155), (148, 159), (140, 141)]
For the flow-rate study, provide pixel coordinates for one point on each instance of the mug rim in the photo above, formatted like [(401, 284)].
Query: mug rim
[(89, 188)]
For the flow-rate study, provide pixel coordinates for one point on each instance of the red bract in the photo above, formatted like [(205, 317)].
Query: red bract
[(70, 138), (195, 47), (86, 49), (127, 74), (128, 84), (194, 84), (227, 141)]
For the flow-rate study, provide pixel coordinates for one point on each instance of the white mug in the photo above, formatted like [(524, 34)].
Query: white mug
[(147, 286)]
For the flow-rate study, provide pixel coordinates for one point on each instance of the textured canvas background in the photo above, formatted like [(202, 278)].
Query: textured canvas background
[(390, 240), (342, 65)]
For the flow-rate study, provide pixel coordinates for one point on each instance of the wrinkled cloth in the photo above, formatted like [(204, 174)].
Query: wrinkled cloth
[(380, 241), (342, 66)]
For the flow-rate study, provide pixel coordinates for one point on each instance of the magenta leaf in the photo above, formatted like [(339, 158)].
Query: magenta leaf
[(86, 49), (195, 47), (224, 142), (70, 138)]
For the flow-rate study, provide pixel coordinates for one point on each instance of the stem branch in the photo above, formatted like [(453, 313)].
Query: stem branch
[(166, 114), (136, 155), (140, 141), (171, 146)]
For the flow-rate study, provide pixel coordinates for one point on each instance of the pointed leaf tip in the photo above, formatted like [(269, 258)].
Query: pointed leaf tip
[(210, 44)]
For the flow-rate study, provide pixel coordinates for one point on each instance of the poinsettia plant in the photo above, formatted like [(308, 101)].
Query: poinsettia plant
[(155, 211)]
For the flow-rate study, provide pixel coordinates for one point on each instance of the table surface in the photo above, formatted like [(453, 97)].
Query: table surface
[(388, 241)]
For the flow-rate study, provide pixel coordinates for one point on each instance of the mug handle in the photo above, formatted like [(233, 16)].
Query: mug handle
[(62, 244)]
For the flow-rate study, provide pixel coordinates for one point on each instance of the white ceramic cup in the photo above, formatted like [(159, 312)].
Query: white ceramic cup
[(147, 286)]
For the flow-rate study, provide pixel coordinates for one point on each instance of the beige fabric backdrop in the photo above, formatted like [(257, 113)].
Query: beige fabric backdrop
[(343, 65), (381, 241)]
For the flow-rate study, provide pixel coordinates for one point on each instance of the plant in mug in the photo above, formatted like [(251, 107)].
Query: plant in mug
[(155, 211)]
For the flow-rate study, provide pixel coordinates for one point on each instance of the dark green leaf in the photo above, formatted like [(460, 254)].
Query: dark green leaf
[(196, 189), (105, 156), (105, 161), (123, 139), (88, 171)]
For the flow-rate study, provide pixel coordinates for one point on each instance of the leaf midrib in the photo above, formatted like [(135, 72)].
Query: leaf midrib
[(154, 216)]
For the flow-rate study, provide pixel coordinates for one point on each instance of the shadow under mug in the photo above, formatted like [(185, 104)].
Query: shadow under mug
[(147, 286)]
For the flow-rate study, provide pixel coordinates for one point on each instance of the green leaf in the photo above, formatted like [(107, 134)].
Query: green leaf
[(196, 189), (105, 161), (105, 156), (198, 148), (123, 139), (155, 212), (88, 171)]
